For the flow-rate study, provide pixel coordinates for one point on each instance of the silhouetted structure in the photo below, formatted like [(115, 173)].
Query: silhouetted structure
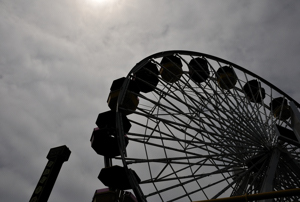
[(106, 195), (56, 156)]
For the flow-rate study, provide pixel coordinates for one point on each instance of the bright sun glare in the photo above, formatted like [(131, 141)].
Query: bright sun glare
[(99, 1)]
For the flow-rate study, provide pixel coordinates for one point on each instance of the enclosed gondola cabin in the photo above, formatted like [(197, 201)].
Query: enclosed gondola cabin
[(254, 92), (198, 70), (115, 177), (226, 77), (280, 108), (107, 195), (287, 135), (103, 139), (171, 69), (146, 78), (105, 144), (130, 101), (108, 120)]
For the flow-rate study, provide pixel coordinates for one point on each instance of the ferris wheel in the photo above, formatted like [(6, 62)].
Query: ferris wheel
[(187, 126)]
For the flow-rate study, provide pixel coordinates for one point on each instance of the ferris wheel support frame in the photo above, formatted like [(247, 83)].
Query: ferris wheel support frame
[(268, 181)]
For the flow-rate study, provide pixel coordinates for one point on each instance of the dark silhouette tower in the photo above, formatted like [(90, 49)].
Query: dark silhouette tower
[(56, 156)]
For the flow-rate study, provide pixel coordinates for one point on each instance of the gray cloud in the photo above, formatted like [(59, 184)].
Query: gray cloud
[(58, 59)]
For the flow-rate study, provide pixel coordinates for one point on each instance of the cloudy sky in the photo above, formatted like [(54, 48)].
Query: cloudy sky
[(58, 59)]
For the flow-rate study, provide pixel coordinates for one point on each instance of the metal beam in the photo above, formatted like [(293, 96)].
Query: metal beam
[(270, 174)]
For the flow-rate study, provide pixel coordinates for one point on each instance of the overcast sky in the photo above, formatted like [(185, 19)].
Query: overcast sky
[(58, 59)]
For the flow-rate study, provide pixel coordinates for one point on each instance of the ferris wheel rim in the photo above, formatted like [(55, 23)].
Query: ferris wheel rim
[(139, 65), (186, 52)]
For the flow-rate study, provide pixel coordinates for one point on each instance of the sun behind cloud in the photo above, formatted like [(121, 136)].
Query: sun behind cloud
[(99, 1)]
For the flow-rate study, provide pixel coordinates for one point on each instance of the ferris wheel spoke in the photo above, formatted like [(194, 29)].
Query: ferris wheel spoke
[(256, 181), (241, 179), (180, 181), (222, 157), (243, 105), (161, 146), (180, 112), (195, 177), (197, 143), (150, 172), (288, 178), (203, 188), (294, 174), (222, 111), (256, 107), (173, 160), (212, 147), (195, 118), (200, 164), (221, 120), (196, 181), (252, 125), (229, 102), (175, 124), (230, 185)]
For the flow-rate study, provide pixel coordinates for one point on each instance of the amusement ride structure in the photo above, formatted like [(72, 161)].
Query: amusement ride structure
[(188, 126)]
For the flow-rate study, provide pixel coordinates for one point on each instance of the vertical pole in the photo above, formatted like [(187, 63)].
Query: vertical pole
[(56, 156), (107, 162)]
